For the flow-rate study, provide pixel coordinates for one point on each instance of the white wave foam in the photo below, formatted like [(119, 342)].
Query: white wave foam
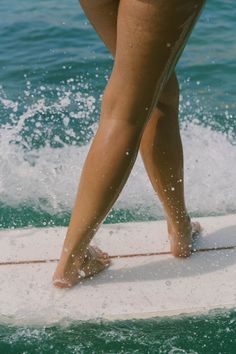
[(47, 178)]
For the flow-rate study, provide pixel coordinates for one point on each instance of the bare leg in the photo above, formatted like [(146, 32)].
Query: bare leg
[(130, 96), (161, 146), (162, 153)]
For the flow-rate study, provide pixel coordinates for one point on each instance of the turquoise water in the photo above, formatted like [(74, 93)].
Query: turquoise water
[(214, 334), (53, 72)]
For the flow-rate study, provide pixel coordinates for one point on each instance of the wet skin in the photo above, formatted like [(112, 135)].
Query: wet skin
[(139, 111)]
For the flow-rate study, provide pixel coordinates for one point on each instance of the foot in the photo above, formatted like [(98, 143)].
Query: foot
[(181, 238), (76, 270)]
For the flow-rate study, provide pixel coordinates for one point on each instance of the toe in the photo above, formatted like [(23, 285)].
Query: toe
[(197, 226), (61, 283), (97, 250), (100, 253), (105, 255), (105, 261)]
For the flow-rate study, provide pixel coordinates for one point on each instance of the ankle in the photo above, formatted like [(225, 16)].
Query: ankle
[(179, 224), (70, 257)]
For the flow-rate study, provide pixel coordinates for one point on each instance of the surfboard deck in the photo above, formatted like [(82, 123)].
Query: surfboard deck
[(144, 279)]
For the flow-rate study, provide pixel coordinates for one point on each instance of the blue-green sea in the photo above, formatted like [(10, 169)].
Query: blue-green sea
[(53, 70)]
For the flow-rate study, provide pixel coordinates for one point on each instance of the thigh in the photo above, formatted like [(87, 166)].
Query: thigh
[(150, 37), (146, 37), (102, 14)]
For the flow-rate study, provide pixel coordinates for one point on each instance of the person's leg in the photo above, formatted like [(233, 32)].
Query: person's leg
[(162, 153), (150, 35), (161, 146)]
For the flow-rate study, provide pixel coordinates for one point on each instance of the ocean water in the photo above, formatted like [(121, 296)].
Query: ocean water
[(53, 72), (214, 334)]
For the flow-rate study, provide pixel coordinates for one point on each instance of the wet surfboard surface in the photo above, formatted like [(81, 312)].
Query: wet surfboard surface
[(144, 279)]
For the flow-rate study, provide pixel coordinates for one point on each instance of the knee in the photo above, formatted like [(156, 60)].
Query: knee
[(125, 106), (169, 97)]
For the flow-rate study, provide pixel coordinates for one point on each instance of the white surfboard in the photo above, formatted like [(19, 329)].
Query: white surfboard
[(144, 279)]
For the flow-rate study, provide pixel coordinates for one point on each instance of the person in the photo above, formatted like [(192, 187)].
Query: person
[(139, 109)]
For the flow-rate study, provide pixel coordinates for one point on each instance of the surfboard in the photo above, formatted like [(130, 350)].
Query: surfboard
[(144, 279)]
